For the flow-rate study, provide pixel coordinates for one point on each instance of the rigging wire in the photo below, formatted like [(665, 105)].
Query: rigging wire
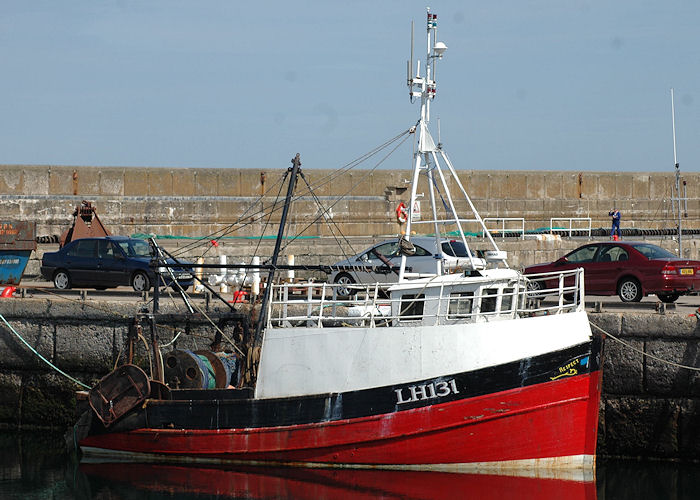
[(348, 191), (630, 346), (216, 327), (269, 215), (76, 381), (323, 181), (267, 222), (349, 166), (223, 231), (310, 189), (326, 215), (172, 330), (445, 206)]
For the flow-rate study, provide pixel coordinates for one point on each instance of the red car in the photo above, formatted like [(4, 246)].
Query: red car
[(631, 270)]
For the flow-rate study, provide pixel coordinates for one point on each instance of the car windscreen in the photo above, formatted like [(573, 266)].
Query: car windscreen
[(653, 252), (135, 248), (454, 248)]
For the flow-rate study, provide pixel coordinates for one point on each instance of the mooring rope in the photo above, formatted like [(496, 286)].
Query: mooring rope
[(42, 357), (630, 346)]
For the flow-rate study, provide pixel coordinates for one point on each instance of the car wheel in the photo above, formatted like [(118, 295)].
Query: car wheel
[(61, 279), (344, 280), (668, 298), (629, 290), (141, 282), (534, 288)]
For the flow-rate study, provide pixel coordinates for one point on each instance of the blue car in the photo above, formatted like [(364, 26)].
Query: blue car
[(107, 262)]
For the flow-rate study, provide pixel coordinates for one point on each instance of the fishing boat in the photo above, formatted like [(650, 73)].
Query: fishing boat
[(467, 368)]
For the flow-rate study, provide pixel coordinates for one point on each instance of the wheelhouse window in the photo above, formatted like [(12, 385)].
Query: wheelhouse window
[(507, 300), (460, 305), (411, 306), (489, 298)]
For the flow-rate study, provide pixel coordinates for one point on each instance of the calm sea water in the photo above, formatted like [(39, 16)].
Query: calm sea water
[(35, 466)]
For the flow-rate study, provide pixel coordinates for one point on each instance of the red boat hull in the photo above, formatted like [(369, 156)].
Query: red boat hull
[(548, 420)]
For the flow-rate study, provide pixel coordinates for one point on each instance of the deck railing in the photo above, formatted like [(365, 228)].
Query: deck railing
[(320, 304)]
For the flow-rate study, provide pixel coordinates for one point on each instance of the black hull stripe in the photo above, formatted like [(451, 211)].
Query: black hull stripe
[(209, 413)]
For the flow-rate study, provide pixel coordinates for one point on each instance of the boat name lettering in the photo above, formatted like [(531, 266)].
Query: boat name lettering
[(432, 390), (570, 369), (564, 368)]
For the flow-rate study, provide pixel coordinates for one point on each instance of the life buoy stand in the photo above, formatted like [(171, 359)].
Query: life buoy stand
[(401, 212)]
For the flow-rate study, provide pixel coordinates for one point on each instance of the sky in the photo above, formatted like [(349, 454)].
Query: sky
[(579, 85)]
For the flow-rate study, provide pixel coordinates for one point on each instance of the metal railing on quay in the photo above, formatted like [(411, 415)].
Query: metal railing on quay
[(586, 226), (503, 231)]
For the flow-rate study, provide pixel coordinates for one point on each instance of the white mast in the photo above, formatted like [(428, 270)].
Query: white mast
[(430, 159)]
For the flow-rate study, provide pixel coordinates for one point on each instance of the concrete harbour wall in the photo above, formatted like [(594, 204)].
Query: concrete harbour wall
[(187, 202), (649, 408), (198, 202), (195, 202)]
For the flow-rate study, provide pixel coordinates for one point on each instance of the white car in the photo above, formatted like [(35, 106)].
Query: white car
[(452, 253)]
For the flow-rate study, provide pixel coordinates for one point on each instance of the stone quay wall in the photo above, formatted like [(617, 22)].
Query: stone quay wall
[(196, 202), (84, 339), (199, 201), (649, 408)]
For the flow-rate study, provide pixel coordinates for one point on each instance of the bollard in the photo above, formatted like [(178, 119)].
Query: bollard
[(223, 287), (290, 272), (199, 272), (255, 288)]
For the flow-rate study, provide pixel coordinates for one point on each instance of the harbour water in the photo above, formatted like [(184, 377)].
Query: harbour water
[(35, 466)]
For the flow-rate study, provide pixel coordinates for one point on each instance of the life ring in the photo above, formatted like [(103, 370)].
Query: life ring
[(401, 212)]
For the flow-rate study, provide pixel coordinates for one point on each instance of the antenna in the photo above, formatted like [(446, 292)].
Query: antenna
[(409, 68), (412, 29), (673, 123), (678, 198)]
